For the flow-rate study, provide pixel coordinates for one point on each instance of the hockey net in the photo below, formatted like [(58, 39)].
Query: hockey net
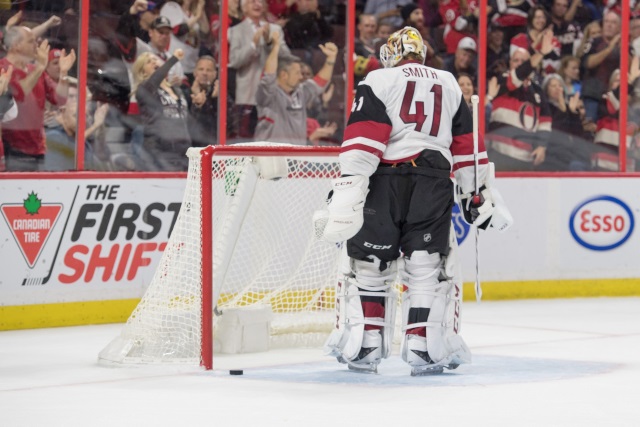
[(245, 231)]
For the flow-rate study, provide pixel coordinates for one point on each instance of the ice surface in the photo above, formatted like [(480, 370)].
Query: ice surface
[(573, 362)]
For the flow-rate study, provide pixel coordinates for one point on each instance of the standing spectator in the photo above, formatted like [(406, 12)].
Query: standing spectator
[(364, 45), (282, 96), (463, 61), (164, 112), (602, 56), (521, 120), (159, 39), (413, 17), (23, 137), (249, 45), (307, 28), (189, 23), (387, 11), (202, 97), (566, 30), (567, 149), (8, 108)]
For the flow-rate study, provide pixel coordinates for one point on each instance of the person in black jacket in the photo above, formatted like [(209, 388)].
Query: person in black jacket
[(202, 98), (568, 148), (307, 28)]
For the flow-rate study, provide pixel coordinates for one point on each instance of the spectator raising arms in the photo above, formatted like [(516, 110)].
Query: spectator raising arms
[(282, 96), (249, 45), (601, 56), (8, 109), (163, 108), (23, 138), (189, 23)]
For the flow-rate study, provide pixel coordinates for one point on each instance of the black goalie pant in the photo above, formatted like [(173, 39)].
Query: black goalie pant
[(408, 209)]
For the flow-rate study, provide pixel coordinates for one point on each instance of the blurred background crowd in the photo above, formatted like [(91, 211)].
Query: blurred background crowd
[(552, 77)]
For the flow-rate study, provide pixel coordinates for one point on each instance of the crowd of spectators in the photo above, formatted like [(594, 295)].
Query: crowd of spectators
[(553, 73), (552, 98)]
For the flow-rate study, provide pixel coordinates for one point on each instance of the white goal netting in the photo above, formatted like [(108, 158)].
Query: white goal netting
[(264, 252)]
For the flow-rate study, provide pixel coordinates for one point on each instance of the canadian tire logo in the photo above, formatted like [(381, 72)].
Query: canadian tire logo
[(31, 223)]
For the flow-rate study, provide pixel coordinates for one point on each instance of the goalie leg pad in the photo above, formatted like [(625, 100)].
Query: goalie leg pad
[(366, 315), (430, 314)]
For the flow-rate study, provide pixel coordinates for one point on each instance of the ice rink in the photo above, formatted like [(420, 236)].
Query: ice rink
[(573, 362)]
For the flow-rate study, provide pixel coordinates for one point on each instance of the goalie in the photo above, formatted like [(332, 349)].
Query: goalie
[(409, 128)]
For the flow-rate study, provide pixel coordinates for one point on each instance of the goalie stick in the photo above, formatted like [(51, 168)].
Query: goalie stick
[(475, 100)]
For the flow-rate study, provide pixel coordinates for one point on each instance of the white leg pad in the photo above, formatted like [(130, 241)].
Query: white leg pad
[(350, 336), (442, 346)]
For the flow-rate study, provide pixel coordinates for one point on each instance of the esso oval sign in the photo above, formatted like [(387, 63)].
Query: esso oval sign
[(601, 223)]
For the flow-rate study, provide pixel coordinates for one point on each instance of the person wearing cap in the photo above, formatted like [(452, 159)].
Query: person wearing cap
[(463, 60), (189, 23), (159, 42)]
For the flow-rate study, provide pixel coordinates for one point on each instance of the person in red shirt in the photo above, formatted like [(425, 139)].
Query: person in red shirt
[(23, 138)]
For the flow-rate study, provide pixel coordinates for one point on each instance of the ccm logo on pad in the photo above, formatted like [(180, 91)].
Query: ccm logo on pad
[(372, 246), (601, 223)]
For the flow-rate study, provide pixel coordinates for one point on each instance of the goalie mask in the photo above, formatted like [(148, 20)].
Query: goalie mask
[(400, 45)]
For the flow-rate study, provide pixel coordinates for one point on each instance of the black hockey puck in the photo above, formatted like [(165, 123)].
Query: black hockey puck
[(236, 372)]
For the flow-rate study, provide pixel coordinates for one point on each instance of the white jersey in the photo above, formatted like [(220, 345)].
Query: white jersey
[(399, 112)]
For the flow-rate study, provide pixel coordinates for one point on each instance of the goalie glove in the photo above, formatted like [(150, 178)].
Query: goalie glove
[(343, 217), (490, 210)]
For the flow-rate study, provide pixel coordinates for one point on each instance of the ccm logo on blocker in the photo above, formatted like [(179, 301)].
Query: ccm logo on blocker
[(601, 223)]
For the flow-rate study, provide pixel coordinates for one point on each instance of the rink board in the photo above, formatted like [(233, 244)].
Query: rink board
[(97, 241)]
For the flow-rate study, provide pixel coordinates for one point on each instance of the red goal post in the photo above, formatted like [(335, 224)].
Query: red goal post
[(243, 238)]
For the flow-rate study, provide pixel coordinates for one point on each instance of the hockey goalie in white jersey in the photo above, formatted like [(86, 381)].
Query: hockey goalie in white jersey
[(409, 128)]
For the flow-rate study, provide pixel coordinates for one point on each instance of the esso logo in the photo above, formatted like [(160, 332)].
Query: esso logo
[(601, 223), (460, 227)]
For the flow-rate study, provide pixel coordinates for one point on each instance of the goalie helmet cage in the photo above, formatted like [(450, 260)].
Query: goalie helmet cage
[(244, 236)]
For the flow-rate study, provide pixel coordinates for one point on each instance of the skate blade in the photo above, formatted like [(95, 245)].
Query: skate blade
[(364, 368), (422, 371)]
